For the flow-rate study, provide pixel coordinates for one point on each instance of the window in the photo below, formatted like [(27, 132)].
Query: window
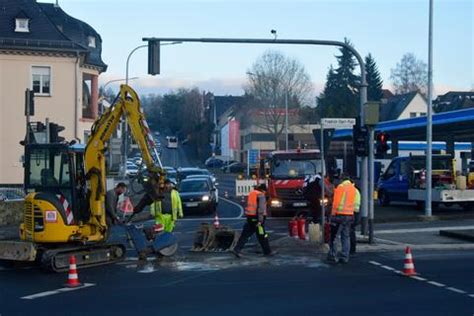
[(422, 113), (41, 80), (412, 114), (22, 25), (91, 41)]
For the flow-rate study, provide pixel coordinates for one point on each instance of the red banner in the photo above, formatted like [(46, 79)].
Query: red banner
[(234, 135)]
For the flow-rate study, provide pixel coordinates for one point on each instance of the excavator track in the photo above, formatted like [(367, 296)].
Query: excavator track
[(57, 260)]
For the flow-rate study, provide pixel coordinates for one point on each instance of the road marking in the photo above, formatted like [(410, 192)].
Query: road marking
[(441, 285), (58, 291), (419, 230), (375, 263), (436, 284), (456, 290), (236, 204)]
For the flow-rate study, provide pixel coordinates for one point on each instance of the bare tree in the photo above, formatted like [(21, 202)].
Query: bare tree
[(410, 74), (272, 77)]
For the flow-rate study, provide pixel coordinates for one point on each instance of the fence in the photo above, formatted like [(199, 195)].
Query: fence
[(11, 192), (243, 187)]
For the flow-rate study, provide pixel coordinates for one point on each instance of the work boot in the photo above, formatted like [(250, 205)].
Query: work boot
[(343, 261)]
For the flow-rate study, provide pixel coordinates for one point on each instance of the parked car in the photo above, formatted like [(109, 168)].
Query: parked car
[(236, 167), (213, 162), (132, 170), (197, 195)]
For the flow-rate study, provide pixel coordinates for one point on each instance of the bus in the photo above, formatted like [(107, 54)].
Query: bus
[(172, 142)]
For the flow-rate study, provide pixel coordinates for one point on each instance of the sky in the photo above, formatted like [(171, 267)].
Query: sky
[(385, 28)]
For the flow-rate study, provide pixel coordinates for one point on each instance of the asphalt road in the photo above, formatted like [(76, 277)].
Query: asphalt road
[(269, 286)]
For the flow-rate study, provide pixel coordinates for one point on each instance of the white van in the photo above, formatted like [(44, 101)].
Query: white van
[(172, 142)]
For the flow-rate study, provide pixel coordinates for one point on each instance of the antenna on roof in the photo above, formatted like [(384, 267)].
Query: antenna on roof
[(57, 3)]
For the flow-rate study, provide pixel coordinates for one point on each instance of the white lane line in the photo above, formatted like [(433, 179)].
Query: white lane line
[(58, 291), (418, 278), (436, 284), (236, 204), (453, 289), (456, 290), (418, 230)]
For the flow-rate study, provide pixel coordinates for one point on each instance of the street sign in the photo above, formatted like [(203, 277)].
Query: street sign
[(338, 123), (253, 155)]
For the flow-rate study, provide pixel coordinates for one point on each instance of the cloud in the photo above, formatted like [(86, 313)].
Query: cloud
[(159, 85)]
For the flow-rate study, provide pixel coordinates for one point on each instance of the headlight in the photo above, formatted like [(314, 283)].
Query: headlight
[(325, 201), (205, 198), (276, 203)]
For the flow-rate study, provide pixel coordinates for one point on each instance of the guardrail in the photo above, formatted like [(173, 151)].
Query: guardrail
[(11, 193)]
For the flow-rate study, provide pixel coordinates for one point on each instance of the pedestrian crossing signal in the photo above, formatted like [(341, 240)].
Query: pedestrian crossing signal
[(382, 144)]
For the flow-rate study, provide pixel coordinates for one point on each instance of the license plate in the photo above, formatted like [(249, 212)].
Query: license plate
[(299, 204), (192, 204)]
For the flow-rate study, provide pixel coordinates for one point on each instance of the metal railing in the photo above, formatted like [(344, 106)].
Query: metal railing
[(11, 192)]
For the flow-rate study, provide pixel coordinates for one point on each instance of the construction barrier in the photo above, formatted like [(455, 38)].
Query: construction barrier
[(243, 187)]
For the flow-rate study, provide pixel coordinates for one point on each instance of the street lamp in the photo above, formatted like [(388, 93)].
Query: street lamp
[(286, 106), (125, 126), (117, 80)]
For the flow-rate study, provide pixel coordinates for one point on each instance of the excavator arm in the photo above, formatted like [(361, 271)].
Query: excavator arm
[(126, 105)]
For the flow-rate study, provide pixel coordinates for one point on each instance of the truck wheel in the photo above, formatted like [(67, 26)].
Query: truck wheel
[(383, 199)]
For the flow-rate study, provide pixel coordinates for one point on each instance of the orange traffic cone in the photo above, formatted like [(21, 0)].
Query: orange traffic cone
[(72, 280), (409, 266), (216, 221), (127, 206)]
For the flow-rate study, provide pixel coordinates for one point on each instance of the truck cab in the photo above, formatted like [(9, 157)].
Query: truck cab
[(394, 183), (285, 172)]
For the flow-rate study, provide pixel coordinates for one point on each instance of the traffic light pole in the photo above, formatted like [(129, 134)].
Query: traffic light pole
[(371, 183)]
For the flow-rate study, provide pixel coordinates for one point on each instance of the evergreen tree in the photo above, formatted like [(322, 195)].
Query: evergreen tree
[(340, 97), (374, 81)]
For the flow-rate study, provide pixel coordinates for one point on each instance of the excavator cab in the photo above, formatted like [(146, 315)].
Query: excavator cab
[(55, 187)]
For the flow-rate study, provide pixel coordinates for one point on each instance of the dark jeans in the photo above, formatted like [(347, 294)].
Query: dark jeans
[(250, 228), (353, 232), (340, 224)]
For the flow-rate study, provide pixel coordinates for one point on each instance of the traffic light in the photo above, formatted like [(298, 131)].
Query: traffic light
[(153, 58), (54, 130), (382, 146), (360, 135)]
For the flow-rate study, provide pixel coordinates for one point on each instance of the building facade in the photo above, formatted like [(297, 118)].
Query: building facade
[(58, 57)]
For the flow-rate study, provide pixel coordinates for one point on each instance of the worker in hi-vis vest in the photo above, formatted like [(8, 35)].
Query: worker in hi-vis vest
[(256, 212), (346, 201), (167, 211)]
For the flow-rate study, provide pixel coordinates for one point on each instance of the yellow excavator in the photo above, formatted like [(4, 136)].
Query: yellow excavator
[(64, 210)]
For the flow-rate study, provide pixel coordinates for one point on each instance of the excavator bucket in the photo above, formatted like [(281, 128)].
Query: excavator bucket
[(211, 239)]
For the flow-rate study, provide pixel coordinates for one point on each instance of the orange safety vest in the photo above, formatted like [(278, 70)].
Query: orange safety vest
[(346, 199), (252, 203)]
